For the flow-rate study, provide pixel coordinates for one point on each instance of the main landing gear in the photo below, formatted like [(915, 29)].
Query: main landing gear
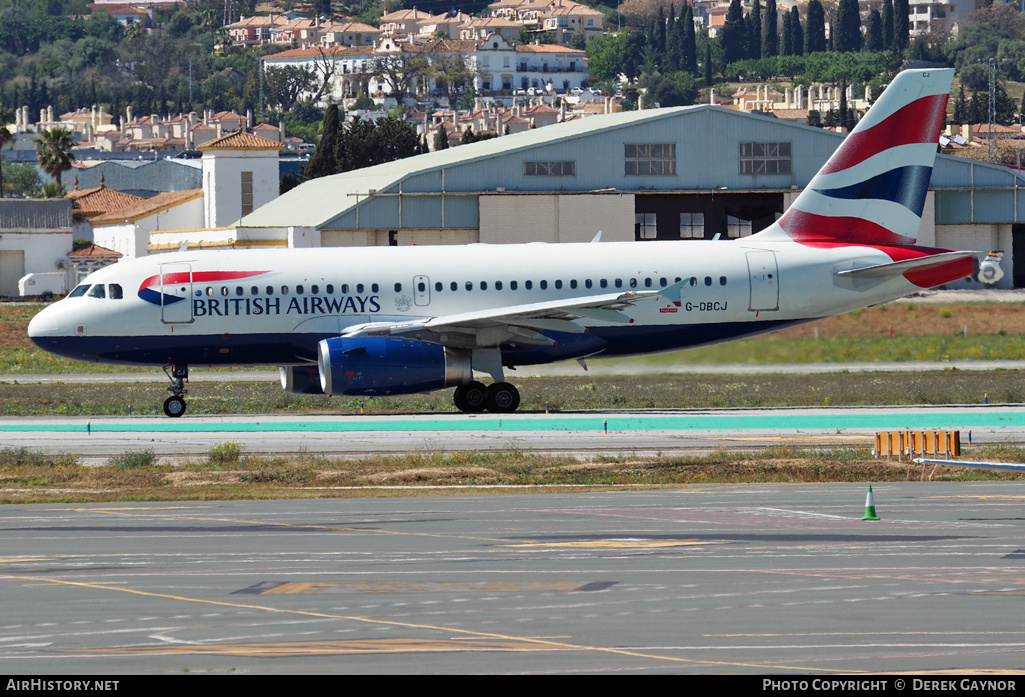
[(174, 406), (500, 398)]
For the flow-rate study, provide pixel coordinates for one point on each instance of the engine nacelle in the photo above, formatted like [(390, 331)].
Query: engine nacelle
[(381, 366), (300, 379), (989, 270)]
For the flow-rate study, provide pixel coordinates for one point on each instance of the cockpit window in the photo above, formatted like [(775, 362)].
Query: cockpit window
[(115, 291), (97, 291), (78, 292)]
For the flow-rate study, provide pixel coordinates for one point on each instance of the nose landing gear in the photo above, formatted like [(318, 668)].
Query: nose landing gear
[(174, 406)]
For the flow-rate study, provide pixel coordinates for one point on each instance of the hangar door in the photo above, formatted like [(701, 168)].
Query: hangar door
[(12, 268)]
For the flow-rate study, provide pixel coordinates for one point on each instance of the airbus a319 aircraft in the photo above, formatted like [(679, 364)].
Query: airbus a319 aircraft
[(381, 321)]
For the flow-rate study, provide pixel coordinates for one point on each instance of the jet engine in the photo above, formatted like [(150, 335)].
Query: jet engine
[(381, 366), (300, 379), (989, 270)]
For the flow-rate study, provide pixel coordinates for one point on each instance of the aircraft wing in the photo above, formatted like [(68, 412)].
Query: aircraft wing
[(517, 324)]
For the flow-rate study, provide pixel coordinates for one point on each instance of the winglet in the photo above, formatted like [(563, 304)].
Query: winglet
[(596, 238)]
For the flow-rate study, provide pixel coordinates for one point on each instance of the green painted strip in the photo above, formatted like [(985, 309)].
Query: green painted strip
[(683, 422)]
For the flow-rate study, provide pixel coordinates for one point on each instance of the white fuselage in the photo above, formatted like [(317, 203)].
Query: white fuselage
[(272, 307)]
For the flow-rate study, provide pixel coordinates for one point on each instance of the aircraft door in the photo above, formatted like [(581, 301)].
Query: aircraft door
[(422, 290), (764, 277), (176, 293)]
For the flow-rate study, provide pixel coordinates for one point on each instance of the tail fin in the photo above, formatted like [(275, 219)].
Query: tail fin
[(872, 190)]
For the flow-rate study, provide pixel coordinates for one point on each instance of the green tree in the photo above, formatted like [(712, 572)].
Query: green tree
[(54, 154), (20, 178), (888, 23)]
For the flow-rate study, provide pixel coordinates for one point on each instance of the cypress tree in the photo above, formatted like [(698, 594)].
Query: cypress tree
[(786, 45), (673, 60), (690, 42), (733, 36), (815, 31), (770, 30), (795, 24), (888, 23), (754, 31), (874, 32), (322, 162), (901, 28), (847, 37)]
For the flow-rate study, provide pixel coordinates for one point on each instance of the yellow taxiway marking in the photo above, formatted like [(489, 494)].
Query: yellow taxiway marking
[(618, 544), (321, 648), (19, 560), (522, 641), (415, 587)]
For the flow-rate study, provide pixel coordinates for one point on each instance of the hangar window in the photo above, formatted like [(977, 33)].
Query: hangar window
[(737, 227), (550, 169), (692, 225), (765, 158), (651, 159), (645, 226)]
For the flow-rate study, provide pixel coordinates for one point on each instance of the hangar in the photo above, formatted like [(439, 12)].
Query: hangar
[(700, 172)]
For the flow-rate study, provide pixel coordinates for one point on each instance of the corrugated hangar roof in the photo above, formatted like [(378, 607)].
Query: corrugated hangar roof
[(707, 160)]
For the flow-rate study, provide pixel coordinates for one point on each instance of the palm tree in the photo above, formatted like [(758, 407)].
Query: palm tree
[(55, 156), (5, 137)]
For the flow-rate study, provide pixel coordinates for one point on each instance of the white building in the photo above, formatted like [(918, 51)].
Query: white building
[(240, 174), (35, 238)]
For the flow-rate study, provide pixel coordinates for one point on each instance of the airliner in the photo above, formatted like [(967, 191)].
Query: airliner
[(382, 321)]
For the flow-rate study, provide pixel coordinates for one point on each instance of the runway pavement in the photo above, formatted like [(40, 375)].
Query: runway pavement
[(749, 579)]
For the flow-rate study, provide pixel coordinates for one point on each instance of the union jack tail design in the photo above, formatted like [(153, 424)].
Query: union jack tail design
[(872, 190)]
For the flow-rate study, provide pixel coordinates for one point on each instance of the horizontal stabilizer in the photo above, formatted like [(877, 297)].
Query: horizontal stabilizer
[(896, 268)]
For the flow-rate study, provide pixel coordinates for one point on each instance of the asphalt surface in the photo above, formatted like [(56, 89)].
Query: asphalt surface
[(742, 579)]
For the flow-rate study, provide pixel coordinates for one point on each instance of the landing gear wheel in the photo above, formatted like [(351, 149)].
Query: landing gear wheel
[(502, 398), (174, 406), (471, 398)]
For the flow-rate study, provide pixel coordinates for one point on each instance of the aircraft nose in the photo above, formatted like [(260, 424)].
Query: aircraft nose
[(50, 322)]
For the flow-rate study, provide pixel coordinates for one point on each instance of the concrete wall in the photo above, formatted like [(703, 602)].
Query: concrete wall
[(222, 183)]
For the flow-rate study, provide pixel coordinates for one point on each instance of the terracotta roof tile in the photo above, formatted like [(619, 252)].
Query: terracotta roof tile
[(240, 140), (147, 206)]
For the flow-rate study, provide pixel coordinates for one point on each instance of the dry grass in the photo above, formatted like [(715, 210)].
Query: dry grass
[(29, 477)]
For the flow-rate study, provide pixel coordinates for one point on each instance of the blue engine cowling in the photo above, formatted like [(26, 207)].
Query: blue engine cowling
[(381, 366), (300, 379)]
